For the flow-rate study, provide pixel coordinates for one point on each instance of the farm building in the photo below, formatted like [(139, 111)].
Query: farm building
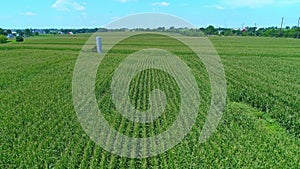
[(10, 36), (38, 31)]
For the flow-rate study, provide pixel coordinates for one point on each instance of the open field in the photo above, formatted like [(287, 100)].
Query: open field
[(259, 129)]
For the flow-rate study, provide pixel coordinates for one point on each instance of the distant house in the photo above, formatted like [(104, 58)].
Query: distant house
[(53, 32), (38, 31), (10, 36)]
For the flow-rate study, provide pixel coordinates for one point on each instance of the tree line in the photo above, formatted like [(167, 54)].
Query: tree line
[(291, 32), (288, 32)]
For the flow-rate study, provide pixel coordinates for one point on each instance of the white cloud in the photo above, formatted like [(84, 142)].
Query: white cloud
[(67, 5), (28, 14), (218, 7), (246, 3), (254, 3), (60, 5), (125, 1), (290, 2), (160, 4), (78, 7)]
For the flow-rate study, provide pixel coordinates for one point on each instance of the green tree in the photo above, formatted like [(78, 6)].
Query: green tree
[(2, 31), (3, 39), (19, 39), (19, 32), (27, 32), (228, 33), (210, 30), (47, 31), (237, 32), (251, 31), (8, 31)]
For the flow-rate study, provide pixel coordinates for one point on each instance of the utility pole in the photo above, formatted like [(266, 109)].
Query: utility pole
[(255, 29), (282, 20), (298, 28)]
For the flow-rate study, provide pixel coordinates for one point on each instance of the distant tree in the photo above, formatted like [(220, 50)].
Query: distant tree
[(2, 31), (8, 31), (273, 32), (292, 33), (244, 33), (19, 32), (298, 31), (161, 29), (260, 32), (210, 30), (251, 31), (228, 33), (65, 31), (19, 39), (269, 32), (3, 39), (47, 31), (102, 30), (27, 32), (237, 32)]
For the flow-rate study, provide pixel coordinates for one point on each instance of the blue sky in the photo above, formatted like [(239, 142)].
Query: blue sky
[(98, 13)]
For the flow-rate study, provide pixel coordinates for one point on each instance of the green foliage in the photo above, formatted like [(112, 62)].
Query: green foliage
[(191, 32), (19, 39), (2, 32), (210, 30), (27, 32), (228, 33), (20, 33), (3, 39), (8, 31), (47, 31), (287, 32)]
